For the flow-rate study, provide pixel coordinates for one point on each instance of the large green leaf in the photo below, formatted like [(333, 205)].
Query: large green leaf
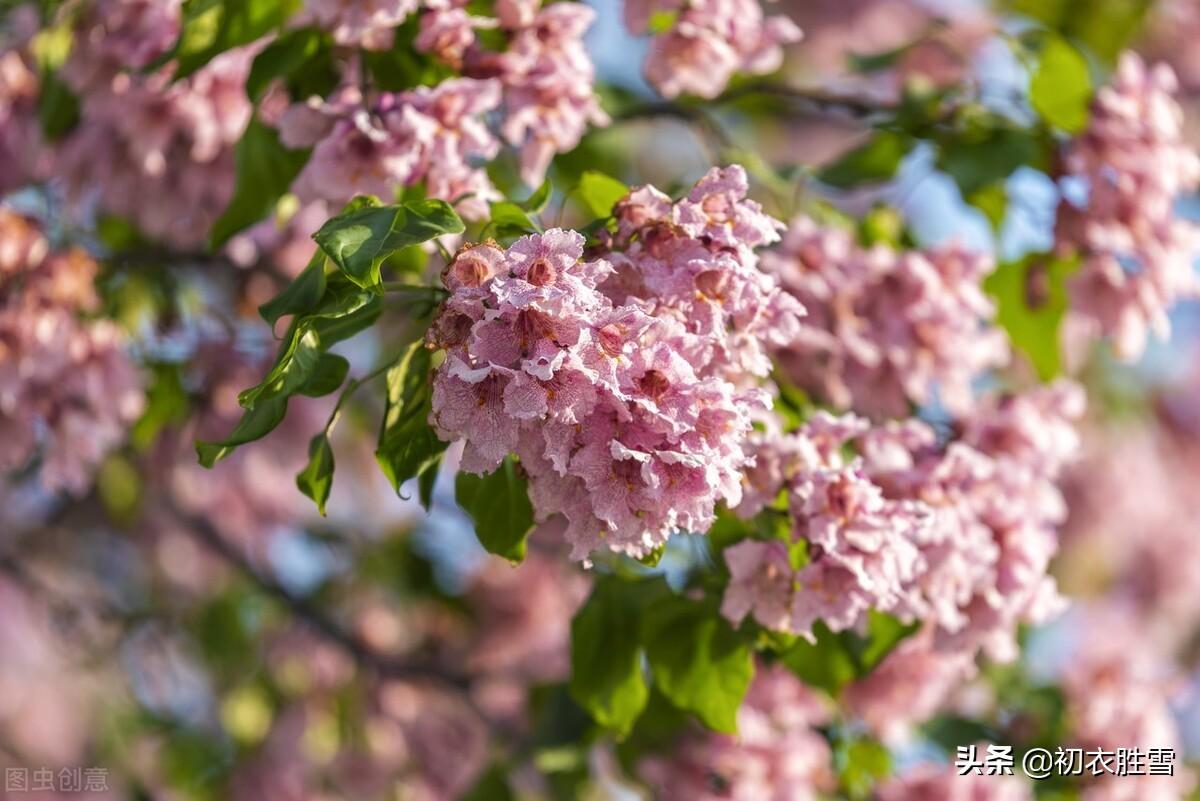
[(358, 241), (408, 447), (499, 504), (1031, 301), (1061, 87), (836, 659), (698, 661), (265, 169), (606, 661)]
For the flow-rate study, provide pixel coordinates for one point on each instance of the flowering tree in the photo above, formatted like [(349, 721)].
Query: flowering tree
[(721, 431)]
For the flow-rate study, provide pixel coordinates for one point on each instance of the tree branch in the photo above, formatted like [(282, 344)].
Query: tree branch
[(313, 616)]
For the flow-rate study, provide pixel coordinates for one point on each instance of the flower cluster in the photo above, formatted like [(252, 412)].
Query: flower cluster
[(431, 135), (547, 77), (708, 41), (21, 149), (943, 783), (959, 534), (359, 23), (1134, 164), (67, 388), (616, 383), (154, 150), (886, 328), (778, 755), (1119, 695), (908, 687)]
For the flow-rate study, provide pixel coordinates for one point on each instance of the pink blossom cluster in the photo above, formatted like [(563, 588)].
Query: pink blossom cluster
[(1137, 256), (67, 388), (777, 755), (1119, 694), (359, 23), (1135, 541), (155, 151), (928, 782), (886, 329), (21, 146), (545, 70), (708, 42), (432, 135), (957, 534), (908, 687), (439, 136), (617, 382)]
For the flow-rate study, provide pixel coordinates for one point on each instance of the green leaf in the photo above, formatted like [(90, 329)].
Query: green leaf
[(358, 241), (301, 295), (661, 22), (57, 107), (327, 376), (981, 157), (825, 664), (166, 404), (1031, 300), (1061, 87), (510, 219), (492, 786), (698, 661), (292, 370), (884, 633), (861, 763), (875, 162), (211, 27), (992, 200), (265, 169), (606, 662), (255, 424), (402, 66), (1104, 27), (499, 504), (536, 202), (302, 58), (408, 446), (316, 479), (600, 192)]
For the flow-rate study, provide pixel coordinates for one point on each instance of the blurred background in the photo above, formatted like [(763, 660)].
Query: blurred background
[(171, 632)]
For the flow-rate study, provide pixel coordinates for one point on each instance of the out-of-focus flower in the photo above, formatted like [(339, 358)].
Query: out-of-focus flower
[(156, 151), (1133, 161), (958, 535), (708, 42), (886, 329), (777, 754), (67, 387), (936, 783)]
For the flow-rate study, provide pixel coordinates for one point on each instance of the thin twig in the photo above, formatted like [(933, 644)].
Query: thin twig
[(360, 651)]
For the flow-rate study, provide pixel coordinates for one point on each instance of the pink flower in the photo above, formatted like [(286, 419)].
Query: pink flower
[(365, 23), (1134, 162), (628, 421), (708, 42), (886, 329), (777, 755), (933, 783), (68, 389)]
